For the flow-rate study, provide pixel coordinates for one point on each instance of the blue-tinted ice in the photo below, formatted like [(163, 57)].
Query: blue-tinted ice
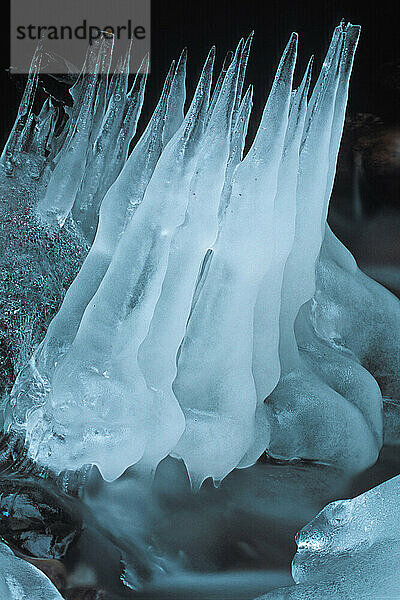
[(351, 549), (216, 316)]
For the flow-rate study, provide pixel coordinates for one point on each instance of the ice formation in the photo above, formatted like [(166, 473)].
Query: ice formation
[(19, 579), (216, 316), (351, 549)]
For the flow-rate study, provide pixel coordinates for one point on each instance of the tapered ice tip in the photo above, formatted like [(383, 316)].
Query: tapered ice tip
[(294, 37), (290, 52), (144, 66), (238, 50), (250, 36), (308, 72), (181, 64), (227, 60), (247, 44), (249, 94), (288, 60), (208, 65)]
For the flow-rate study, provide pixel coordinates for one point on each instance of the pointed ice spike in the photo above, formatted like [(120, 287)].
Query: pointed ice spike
[(242, 75), (196, 116), (12, 147), (273, 106), (121, 71), (97, 59), (132, 111), (215, 387), (157, 354), (115, 77), (123, 198), (67, 176), (311, 209), (266, 367), (127, 131), (238, 140), (351, 36), (218, 85), (301, 94), (326, 70), (103, 69), (105, 161), (176, 99), (140, 79), (111, 150), (77, 89)]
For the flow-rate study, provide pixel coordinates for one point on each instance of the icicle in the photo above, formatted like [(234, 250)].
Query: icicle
[(242, 75), (310, 203), (214, 384), (236, 148), (105, 356), (351, 34), (218, 85), (176, 100), (157, 355), (266, 366), (13, 145), (107, 158), (66, 178)]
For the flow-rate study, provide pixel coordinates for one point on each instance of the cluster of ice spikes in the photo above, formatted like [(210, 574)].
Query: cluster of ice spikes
[(216, 316)]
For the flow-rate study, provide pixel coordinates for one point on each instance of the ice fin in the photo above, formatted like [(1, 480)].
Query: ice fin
[(311, 208), (190, 242)]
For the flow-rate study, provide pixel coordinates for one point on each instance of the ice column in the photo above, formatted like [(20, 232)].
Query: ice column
[(214, 385)]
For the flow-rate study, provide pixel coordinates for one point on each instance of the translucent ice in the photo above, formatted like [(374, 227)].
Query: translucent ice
[(39, 259), (19, 579), (103, 356), (214, 387), (351, 549), (313, 370), (216, 316), (157, 354)]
